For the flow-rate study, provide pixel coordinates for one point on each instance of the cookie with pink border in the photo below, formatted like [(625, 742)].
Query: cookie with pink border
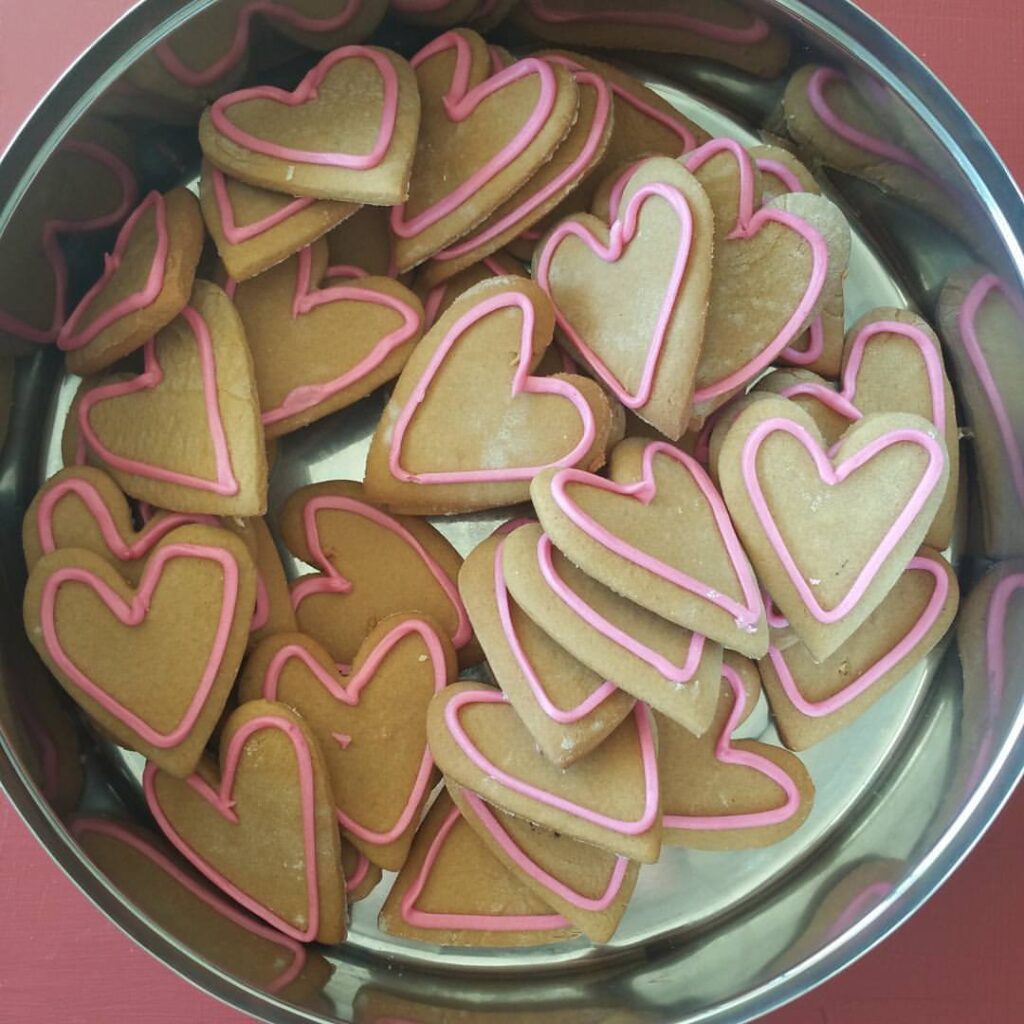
[(609, 799), (819, 398), (361, 877), (374, 714), (260, 823), (152, 664), (438, 298), (346, 132)]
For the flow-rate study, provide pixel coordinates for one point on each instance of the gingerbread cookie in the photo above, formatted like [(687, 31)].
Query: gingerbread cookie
[(720, 793), (273, 612), (609, 799), (319, 344), (184, 434), (153, 665), (831, 411), (474, 366), (377, 710), (361, 877), (346, 132), (436, 300), (830, 533), (236, 822), (361, 246), (145, 283)]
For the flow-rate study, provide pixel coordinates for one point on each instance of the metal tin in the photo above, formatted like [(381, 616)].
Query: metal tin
[(903, 794)]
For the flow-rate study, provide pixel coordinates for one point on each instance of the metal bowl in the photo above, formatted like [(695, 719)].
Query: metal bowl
[(903, 794)]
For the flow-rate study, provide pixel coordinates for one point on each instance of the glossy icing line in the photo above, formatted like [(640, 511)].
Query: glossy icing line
[(459, 102), (356, 879), (220, 799), (834, 401), (726, 753), (748, 613), (261, 613), (436, 296), (564, 717), (132, 613), (853, 689), (417, 918), (673, 673), (350, 694), (70, 337), (332, 581), (522, 383), (152, 376), (492, 772), (237, 233), (306, 91), (621, 234), (833, 475), (79, 827), (525, 863)]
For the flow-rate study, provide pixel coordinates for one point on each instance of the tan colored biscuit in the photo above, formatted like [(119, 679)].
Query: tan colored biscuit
[(363, 243)]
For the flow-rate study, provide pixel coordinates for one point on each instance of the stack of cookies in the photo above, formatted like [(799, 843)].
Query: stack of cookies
[(625, 336)]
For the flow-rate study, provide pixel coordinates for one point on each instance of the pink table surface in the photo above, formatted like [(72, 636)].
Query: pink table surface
[(955, 962)]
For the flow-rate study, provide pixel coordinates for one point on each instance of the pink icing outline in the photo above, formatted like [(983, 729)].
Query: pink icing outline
[(747, 616), (540, 694), (435, 297), (307, 299), (350, 695), (466, 922), (871, 675), (832, 475), (525, 863), (776, 620), (304, 92), (79, 826), (647, 751), (609, 630), (333, 582), (833, 400), (70, 339), (356, 879), (570, 174), (621, 234), (220, 800), (972, 304), (755, 33), (237, 234), (132, 613), (261, 613), (726, 753), (459, 103), (522, 383), (151, 377)]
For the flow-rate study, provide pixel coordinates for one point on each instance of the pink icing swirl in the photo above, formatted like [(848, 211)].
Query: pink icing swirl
[(648, 754), (236, 233), (132, 613), (726, 753), (220, 799), (747, 614), (71, 337), (307, 91), (522, 383), (833, 475), (350, 695), (459, 103), (226, 483)]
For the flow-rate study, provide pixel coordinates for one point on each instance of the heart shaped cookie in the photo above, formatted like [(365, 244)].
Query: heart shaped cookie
[(474, 366), (146, 871), (145, 283), (669, 667), (568, 709), (273, 612), (360, 246), (588, 886), (238, 823), (831, 411), (811, 700), (377, 711), (254, 228), (371, 565), (631, 298), (346, 132), (609, 799), (830, 533), (482, 137), (154, 664), (719, 793), (657, 532), (438, 299), (361, 877), (317, 344), (452, 891), (185, 433), (576, 156)]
